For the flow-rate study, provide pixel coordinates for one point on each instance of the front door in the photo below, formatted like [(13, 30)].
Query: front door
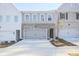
[(17, 35), (51, 33)]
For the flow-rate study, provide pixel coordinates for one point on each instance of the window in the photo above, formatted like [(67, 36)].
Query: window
[(27, 17), (7, 18), (77, 16), (16, 18), (42, 17), (64, 16), (0, 18), (49, 18), (34, 17)]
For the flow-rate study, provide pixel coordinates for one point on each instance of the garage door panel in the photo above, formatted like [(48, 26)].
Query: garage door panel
[(35, 33)]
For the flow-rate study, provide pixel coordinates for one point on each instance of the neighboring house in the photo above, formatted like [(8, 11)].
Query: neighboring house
[(15, 24), (69, 18), (10, 22)]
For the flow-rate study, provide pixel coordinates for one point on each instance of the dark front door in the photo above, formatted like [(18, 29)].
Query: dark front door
[(17, 35), (51, 33)]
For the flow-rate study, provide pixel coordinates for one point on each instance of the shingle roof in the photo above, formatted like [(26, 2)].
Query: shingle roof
[(69, 7), (7, 7)]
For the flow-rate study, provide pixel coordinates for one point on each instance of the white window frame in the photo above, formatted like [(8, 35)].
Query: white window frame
[(49, 16), (65, 15), (27, 16), (42, 17)]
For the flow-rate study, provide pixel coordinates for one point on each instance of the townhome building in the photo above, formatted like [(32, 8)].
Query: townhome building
[(39, 25), (10, 22)]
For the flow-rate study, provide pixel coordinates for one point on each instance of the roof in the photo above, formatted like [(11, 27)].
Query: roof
[(8, 8), (69, 7)]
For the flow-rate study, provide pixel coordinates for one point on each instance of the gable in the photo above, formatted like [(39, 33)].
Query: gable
[(8, 8), (69, 7)]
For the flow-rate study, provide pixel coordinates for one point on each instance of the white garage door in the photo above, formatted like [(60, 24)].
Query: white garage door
[(35, 33)]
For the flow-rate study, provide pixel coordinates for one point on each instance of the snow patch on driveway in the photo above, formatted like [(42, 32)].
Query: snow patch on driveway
[(30, 48)]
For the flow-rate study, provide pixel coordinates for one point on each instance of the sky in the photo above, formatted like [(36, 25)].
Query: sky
[(37, 6)]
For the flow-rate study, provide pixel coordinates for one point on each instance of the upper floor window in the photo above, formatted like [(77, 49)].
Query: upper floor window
[(7, 18), (77, 16), (16, 18), (1, 18), (42, 17), (27, 17), (34, 17), (49, 18), (64, 16)]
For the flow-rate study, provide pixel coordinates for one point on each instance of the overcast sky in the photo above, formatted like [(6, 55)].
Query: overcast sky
[(37, 6)]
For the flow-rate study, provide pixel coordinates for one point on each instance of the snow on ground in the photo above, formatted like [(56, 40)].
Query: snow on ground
[(37, 48), (63, 51), (29, 48), (73, 40)]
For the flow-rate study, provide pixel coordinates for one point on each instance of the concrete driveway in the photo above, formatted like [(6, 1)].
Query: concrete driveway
[(29, 48), (37, 48)]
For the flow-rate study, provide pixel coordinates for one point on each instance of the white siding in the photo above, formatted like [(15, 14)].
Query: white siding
[(9, 27), (38, 19)]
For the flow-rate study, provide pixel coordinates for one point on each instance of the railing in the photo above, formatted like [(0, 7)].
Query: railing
[(38, 21)]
